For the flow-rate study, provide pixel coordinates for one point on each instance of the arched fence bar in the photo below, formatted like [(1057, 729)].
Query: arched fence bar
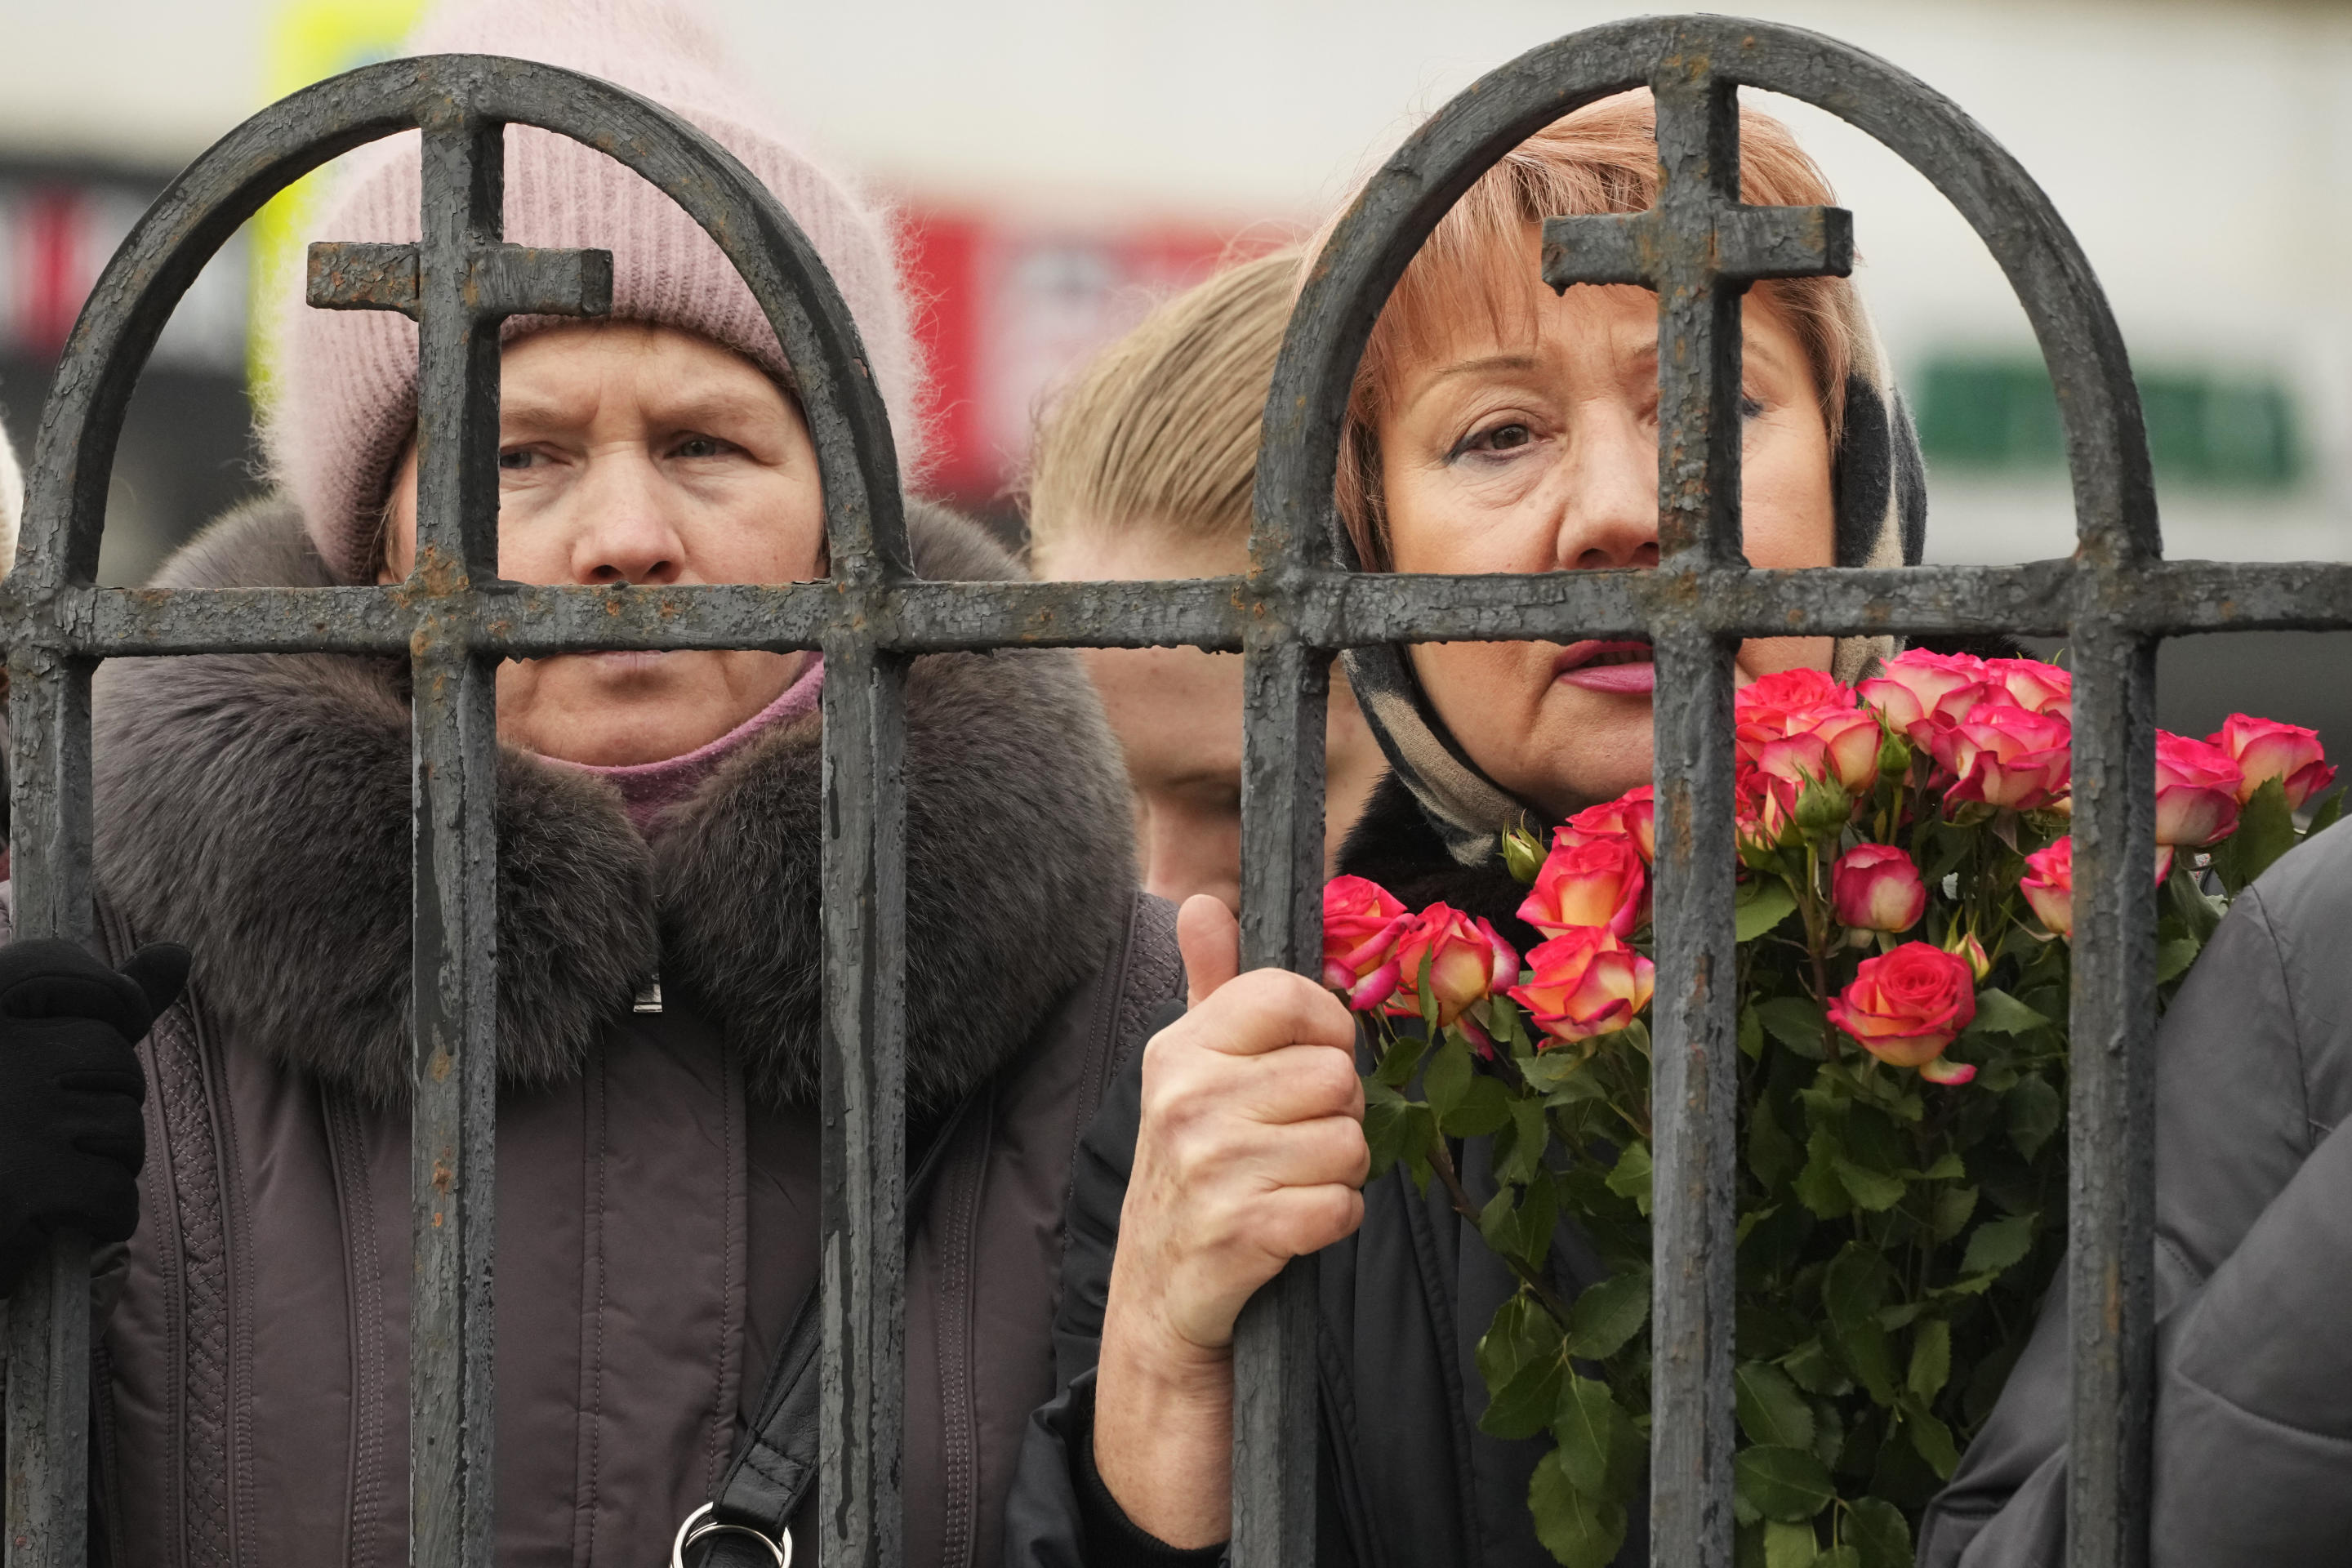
[(455, 619)]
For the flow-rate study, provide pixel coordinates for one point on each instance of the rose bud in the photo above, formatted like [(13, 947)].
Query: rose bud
[(2196, 791), (2265, 749), (1906, 1007), (2049, 885), (2036, 687), (1361, 922), (1876, 887), (1918, 692), (1765, 811), (1634, 815), (1964, 944), (1595, 883), (2005, 756), (1586, 983), (1467, 962)]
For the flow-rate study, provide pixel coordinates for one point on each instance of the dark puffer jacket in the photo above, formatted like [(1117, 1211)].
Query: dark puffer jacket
[(2253, 1267), (657, 1170), (1405, 1477)]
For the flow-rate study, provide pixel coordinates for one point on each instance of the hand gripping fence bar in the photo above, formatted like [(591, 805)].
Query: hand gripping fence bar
[(1698, 248)]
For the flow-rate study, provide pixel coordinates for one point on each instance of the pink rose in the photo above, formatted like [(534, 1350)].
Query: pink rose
[(1801, 720), (2196, 791), (2036, 687), (2005, 756), (2049, 883), (1906, 1007), (1587, 882), (1633, 816), (2265, 749), (1467, 963), (1586, 983), (1876, 887), (1361, 922), (1919, 693)]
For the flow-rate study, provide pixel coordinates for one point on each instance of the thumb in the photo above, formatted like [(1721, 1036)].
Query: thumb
[(160, 969), (1210, 941)]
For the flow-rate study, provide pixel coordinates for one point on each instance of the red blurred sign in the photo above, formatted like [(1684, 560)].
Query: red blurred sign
[(1007, 310)]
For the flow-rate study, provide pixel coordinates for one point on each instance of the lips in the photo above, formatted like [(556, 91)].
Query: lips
[(1612, 666)]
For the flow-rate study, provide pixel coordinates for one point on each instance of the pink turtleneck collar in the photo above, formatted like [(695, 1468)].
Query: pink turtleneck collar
[(648, 789)]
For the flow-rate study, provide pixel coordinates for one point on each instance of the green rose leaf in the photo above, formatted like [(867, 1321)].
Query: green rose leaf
[(2174, 958), (1933, 1441), (1818, 1187), (1953, 1208), (1631, 1178), (1483, 1108), (1796, 1023), (1999, 1013), (1606, 1316), (1788, 1484), (1577, 1529), (2325, 817), (1839, 1557), (1871, 1189), (2265, 830), (1772, 1154), (2033, 1112), (1854, 1287), (1998, 1244), (1447, 1079), (1523, 1228), (1771, 1412), (1401, 1058), (1520, 1360), (1397, 1129), (1878, 1531), (1762, 903), (1791, 1545), (1751, 1034), (1931, 1358), (1529, 1133), (1599, 1452)]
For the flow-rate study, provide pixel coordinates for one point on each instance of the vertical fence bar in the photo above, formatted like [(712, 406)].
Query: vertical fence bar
[(1286, 689), (1693, 1062), (2111, 1221), (861, 1395), (1694, 1102), (48, 1318), (453, 1204)]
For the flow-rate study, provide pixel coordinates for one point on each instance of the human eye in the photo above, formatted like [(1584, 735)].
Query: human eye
[(697, 446), (1501, 437), (515, 459), (1750, 407)]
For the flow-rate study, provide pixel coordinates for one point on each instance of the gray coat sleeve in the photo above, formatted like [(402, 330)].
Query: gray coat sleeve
[(2253, 1267)]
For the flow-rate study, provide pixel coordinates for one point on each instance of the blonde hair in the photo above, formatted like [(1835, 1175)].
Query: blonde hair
[(1602, 159), (1161, 430)]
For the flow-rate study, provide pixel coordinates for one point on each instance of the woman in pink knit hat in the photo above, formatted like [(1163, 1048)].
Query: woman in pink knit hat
[(659, 940)]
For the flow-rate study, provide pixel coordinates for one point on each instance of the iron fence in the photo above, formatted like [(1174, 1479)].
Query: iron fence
[(1698, 248)]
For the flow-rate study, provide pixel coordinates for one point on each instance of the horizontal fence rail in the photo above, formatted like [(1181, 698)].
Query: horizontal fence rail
[(454, 619)]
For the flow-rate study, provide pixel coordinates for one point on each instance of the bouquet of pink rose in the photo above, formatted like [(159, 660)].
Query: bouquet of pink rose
[(1904, 904)]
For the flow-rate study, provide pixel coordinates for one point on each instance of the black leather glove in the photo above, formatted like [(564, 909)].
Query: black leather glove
[(71, 1137)]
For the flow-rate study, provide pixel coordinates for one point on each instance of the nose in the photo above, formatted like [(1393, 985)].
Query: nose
[(1609, 491), (629, 531)]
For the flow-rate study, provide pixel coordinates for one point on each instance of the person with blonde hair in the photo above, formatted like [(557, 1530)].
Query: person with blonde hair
[(1493, 427), (1144, 468)]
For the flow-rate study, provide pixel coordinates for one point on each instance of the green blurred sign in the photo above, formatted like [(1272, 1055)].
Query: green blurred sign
[(1997, 412)]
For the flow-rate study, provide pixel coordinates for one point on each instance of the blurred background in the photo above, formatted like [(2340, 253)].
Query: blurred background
[(1061, 163)]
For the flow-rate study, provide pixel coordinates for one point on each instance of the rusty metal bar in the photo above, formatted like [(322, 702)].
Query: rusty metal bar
[(47, 1319), (452, 1203), (863, 1262)]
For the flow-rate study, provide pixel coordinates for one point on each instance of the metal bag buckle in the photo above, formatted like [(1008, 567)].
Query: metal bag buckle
[(691, 1531)]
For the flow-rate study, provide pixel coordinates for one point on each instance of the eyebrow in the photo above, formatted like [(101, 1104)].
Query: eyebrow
[(1484, 363), (694, 411)]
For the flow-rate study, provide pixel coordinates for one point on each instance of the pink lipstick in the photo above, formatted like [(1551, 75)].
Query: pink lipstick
[(1614, 667)]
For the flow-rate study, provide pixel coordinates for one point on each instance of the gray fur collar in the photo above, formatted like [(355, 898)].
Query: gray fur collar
[(256, 808)]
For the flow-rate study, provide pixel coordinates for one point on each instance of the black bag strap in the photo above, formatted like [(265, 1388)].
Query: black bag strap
[(775, 1464)]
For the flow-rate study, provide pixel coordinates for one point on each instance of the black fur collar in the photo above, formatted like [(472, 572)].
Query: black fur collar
[(256, 807)]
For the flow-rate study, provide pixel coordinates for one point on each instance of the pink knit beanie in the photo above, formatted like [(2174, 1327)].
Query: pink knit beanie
[(344, 403)]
